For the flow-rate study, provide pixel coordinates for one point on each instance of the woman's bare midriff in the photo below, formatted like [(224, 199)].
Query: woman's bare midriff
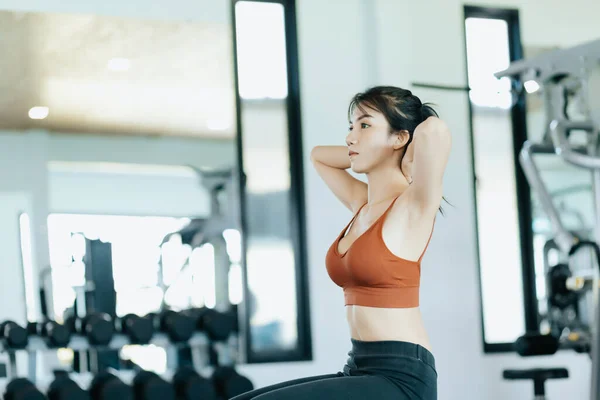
[(376, 324)]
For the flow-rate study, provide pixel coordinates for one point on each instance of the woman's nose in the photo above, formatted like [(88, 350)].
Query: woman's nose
[(350, 140)]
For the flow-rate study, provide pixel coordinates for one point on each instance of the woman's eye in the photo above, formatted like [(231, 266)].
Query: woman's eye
[(364, 126)]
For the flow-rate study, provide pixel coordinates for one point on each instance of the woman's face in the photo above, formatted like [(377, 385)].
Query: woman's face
[(370, 143)]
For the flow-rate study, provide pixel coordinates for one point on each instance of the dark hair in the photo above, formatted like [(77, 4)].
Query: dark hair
[(400, 107)]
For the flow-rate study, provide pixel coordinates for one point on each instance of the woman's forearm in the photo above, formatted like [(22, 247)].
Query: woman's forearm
[(332, 156)]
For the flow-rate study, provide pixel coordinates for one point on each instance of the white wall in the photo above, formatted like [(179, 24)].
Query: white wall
[(339, 55)]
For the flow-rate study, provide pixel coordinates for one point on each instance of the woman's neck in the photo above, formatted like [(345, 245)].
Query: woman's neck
[(385, 184)]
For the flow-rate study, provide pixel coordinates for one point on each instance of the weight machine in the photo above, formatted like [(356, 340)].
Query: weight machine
[(566, 78)]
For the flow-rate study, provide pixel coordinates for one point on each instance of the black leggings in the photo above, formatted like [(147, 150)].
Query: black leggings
[(374, 371)]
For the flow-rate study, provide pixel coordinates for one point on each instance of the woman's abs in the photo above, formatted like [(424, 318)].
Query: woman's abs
[(377, 324)]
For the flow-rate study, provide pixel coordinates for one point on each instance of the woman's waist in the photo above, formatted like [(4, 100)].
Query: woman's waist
[(387, 324)]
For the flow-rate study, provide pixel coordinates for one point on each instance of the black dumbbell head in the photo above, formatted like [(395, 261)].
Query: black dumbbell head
[(139, 329), (106, 386), (149, 386), (218, 326), (189, 385), (56, 334), (22, 389), (14, 336), (98, 328), (229, 383), (178, 326), (63, 388)]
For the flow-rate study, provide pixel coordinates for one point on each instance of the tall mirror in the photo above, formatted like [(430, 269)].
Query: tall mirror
[(128, 121), (145, 166)]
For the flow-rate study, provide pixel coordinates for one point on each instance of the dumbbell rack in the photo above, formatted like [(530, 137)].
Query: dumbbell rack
[(199, 341)]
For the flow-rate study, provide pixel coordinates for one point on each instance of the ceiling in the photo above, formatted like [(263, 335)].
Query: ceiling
[(179, 82)]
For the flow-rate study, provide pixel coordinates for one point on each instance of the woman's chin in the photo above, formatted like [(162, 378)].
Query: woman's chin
[(356, 169)]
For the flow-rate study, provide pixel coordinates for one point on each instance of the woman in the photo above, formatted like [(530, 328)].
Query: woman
[(402, 148)]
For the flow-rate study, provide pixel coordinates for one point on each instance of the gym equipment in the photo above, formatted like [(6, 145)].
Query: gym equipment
[(563, 76), (189, 385), (13, 335), (561, 296), (139, 329), (539, 377), (178, 326), (149, 386), (106, 386), (22, 389), (64, 388), (229, 383), (534, 344), (97, 327), (223, 188), (54, 334), (217, 325)]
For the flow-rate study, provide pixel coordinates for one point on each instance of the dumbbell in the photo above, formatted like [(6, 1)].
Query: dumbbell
[(64, 388), (13, 335), (54, 334), (149, 386), (97, 327), (217, 325), (22, 389), (139, 329), (178, 326), (189, 385), (229, 383), (106, 386)]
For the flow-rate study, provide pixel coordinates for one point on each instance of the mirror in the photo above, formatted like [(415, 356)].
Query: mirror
[(116, 125), (152, 158)]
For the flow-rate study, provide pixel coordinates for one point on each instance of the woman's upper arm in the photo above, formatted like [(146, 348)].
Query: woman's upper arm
[(432, 143)]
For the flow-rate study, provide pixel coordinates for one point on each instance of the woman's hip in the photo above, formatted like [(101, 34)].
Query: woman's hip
[(396, 360)]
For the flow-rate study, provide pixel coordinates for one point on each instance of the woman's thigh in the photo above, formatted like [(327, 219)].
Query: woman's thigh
[(257, 392), (371, 387)]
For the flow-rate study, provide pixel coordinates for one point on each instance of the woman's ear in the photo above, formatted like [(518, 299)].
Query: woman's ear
[(401, 138)]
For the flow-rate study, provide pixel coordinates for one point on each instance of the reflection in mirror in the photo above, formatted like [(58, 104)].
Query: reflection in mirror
[(124, 132)]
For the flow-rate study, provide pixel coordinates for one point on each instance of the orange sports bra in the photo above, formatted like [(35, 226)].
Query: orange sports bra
[(370, 274)]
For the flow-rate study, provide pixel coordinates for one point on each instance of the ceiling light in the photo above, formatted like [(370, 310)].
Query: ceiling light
[(217, 125), (119, 64), (531, 86), (38, 112)]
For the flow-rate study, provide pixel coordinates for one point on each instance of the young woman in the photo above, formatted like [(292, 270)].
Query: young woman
[(403, 148)]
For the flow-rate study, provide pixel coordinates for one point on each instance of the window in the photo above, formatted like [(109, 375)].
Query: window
[(501, 192), (261, 51)]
